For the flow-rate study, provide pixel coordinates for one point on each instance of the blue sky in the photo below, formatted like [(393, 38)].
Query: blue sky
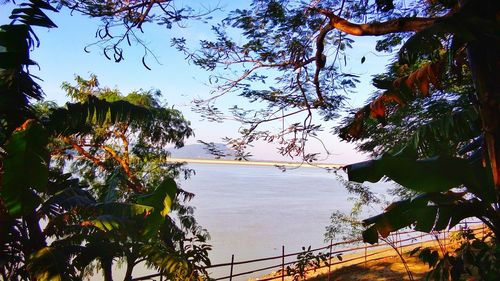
[(61, 56)]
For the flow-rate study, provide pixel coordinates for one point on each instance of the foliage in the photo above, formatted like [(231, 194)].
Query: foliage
[(433, 123), (118, 148), (88, 184), (26, 151), (477, 257), (306, 261), (123, 22), (347, 226)]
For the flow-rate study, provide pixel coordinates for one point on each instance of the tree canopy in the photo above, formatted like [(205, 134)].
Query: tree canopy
[(298, 50), (87, 185), (433, 124)]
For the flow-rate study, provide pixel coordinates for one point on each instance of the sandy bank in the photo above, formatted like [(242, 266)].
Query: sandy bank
[(254, 163)]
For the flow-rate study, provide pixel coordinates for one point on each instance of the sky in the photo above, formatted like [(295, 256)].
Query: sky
[(61, 56)]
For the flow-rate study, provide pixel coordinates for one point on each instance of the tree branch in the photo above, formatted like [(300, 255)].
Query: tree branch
[(85, 153), (378, 28), (142, 18), (320, 59), (133, 181)]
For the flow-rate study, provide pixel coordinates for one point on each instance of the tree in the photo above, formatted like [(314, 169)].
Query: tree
[(126, 161), (433, 123), (123, 22), (306, 44), (437, 37), (56, 225), (437, 41)]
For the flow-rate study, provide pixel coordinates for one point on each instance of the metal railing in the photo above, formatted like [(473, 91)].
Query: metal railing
[(400, 241)]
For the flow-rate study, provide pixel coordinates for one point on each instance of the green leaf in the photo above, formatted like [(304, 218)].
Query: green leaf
[(118, 215), (25, 168), (69, 198), (429, 211), (94, 250), (414, 251), (370, 235), (162, 198), (15, 51), (427, 175), (443, 219), (108, 222), (123, 210), (78, 118), (32, 14), (425, 218), (165, 259), (48, 264), (433, 258)]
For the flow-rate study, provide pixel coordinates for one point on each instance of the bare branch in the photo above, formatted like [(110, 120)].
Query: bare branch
[(134, 183), (98, 162)]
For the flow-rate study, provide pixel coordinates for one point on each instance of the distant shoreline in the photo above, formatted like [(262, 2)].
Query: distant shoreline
[(254, 163)]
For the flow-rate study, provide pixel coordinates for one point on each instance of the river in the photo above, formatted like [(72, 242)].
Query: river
[(252, 211)]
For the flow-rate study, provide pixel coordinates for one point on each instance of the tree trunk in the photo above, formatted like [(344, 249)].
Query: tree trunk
[(483, 55), (37, 239), (130, 268), (107, 266)]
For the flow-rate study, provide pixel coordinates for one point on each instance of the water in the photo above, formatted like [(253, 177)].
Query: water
[(252, 211)]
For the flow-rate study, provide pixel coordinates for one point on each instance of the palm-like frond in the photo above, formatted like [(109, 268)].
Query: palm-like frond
[(17, 86), (25, 169), (167, 260), (78, 118), (50, 264), (454, 128)]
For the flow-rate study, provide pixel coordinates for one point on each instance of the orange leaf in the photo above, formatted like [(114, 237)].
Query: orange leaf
[(422, 77), (435, 71), (354, 131), (397, 83), (377, 108), (393, 98), (86, 223), (410, 81), (384, 229), (424, 87)]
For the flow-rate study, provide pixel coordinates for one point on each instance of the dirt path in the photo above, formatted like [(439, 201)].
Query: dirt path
[(382, 264), (387, 268), (379, 262)]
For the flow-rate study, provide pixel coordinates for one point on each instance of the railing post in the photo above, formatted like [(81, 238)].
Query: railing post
[(231, 271), (330, 259), (366, 249), (283, 263), (400, 242), (445, 238)]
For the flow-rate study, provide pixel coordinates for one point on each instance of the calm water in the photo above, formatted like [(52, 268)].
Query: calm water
[(252, 211)]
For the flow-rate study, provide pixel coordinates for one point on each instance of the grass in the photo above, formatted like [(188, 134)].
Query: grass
[(382, 264), (387, 268)]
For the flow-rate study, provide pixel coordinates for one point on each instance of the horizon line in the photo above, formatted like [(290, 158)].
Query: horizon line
[(255, 162)]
